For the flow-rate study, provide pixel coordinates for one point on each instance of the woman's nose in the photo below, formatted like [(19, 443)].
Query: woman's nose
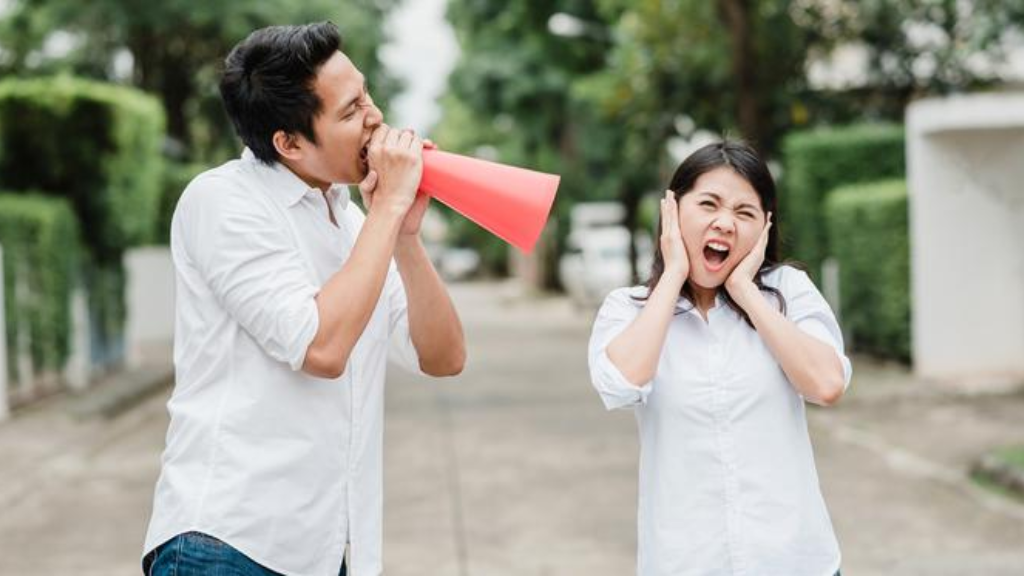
[(724, 223)]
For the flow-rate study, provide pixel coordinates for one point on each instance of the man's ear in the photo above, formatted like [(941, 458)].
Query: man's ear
[(287, 145)]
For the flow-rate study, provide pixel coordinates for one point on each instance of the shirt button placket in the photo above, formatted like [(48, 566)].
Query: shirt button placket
[(727, 451)]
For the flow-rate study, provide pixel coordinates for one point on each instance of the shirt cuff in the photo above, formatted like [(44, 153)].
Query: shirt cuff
[(304, 337), (615, 390)]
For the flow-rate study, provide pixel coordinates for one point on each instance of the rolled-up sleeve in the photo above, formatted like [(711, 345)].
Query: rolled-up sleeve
[(401, 350), (807, 308), (617, 312), (245, 253)]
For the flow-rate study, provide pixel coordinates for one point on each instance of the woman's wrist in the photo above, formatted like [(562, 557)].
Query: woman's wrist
[(743, 293)]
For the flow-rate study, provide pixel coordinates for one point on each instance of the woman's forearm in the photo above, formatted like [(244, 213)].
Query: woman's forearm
[(812, 366), (635, 351)]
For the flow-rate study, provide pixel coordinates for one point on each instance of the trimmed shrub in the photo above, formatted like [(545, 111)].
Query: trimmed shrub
[(97, 144), (39, 236), (868, 236), (821, 160), (176, 178)]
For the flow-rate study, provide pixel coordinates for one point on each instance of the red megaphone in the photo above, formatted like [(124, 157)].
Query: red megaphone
[(511, 203)]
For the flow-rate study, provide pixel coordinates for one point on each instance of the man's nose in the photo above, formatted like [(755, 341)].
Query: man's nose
[(374, 117)]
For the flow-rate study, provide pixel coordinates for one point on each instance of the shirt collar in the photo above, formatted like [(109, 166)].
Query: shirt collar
[(290, 188)]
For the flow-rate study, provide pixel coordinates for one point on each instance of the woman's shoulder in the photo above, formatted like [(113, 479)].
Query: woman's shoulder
[(625, 297), (786, 276)]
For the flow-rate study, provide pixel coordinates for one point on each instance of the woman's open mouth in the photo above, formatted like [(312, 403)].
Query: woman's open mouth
[(715, 255)]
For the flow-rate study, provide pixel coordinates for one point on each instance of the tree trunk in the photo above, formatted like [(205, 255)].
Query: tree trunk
[(736, 16)]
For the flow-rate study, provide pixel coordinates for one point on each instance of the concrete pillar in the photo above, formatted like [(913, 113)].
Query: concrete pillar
[(149, 295), (78, 370), (965, 162)]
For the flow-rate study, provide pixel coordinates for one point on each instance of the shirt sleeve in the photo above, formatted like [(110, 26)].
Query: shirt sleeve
[(401, 350), (617, 312), (247, 256), (807, 308)]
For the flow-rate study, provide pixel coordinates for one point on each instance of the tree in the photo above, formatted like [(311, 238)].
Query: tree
[(510, 95), (175, 48), (914, 48)]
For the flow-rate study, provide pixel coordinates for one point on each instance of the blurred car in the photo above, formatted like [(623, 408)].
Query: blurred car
[(596, 261), (458, 263)]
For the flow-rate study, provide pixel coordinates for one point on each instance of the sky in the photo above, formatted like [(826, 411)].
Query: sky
[(422, 52)]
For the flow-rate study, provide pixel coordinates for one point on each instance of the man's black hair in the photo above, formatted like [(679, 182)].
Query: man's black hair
[(268, 83)]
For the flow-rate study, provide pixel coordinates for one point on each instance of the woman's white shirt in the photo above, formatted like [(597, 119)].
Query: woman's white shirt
[(727, 477)]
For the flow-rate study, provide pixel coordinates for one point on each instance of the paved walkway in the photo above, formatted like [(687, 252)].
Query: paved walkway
[(514, 468)]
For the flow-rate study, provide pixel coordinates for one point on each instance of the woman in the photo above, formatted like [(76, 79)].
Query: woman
[(716, 355)]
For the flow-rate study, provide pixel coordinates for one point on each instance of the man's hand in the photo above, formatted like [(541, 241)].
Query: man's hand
[(395, 160), (414, 217)]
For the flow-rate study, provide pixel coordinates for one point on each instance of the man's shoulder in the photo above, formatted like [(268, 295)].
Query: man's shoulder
[(224, 185)]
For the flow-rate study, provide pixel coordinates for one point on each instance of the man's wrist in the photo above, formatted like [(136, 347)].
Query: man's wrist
[(409, 245)]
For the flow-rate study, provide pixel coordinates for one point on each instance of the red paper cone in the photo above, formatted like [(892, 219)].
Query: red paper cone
[(511, 203)]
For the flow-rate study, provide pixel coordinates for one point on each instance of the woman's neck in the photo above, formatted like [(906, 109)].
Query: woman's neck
[(704, 299)]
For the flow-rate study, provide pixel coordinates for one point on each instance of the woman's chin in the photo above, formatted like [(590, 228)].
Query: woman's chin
[(709, 276)]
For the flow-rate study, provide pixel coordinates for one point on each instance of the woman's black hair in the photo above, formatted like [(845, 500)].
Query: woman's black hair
[(744, 160), (268, 79)]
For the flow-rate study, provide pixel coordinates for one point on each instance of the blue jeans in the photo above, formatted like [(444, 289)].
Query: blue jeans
[(196, 554)]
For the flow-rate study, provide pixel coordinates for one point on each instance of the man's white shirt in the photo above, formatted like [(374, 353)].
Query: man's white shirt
[(284, 466)]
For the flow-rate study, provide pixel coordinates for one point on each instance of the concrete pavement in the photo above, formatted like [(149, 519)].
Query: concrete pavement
[(515, 468)]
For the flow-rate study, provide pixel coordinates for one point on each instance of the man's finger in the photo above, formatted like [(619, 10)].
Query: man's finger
[(391, 139), (405, 138), (377, 139), (369, 183)]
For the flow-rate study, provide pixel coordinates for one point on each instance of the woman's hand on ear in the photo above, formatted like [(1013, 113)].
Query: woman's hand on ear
[(742, 276), (673, 250)]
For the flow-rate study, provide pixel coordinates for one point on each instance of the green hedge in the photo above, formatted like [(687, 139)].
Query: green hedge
[(818, 161), (868, 235), (176, 178), (39, 236), (97, 144)]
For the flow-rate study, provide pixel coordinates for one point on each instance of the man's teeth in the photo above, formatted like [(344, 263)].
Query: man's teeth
[(718, 247)]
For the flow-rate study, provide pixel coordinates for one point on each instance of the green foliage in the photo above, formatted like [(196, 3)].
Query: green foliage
[(510, 99), (915, 47), (39, 237), (868, 236), (176, 49), (176, 178), (818, 161), (96, 144)]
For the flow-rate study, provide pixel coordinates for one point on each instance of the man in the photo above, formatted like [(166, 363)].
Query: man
[(287, 302)]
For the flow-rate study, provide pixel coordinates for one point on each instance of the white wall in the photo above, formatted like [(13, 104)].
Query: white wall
[(965, 159)]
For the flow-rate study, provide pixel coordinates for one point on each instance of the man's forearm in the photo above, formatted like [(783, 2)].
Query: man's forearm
[(346, 302), (433, 323)]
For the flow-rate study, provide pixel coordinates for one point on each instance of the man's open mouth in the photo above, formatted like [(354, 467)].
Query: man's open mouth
[(364, 156)]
